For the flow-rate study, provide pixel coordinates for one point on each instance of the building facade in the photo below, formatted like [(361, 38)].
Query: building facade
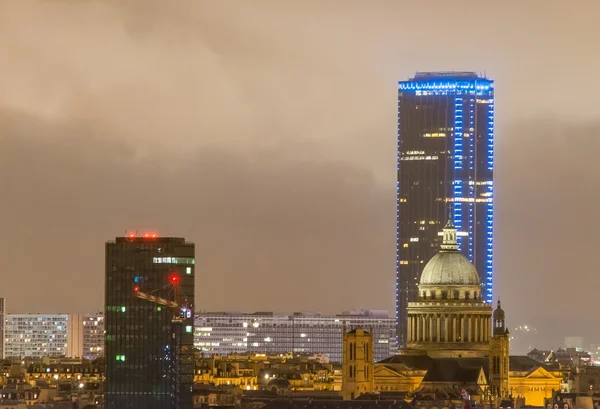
[(445, 161), (357, 364), (36, 335), (142, 372), (300, 333), (93, 336), (40, 335)]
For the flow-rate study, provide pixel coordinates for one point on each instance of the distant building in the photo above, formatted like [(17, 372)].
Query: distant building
[(574, 342), (445, 157), (139, 333), (93, 336), (40, 335), (300, 333), (569, 357)]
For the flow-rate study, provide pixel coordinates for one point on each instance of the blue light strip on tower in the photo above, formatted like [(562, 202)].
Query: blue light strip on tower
[(479, 87), (458, 161), (490, 206), (471, 192)]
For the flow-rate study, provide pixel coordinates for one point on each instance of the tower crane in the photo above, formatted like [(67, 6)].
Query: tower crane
[(179, 308)]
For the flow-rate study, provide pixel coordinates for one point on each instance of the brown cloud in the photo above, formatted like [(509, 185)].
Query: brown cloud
[(266, 133)]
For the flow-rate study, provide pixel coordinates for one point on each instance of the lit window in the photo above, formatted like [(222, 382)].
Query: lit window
[(188, 328), (405, 245), (123, 309), (188, 270), (173, 260)]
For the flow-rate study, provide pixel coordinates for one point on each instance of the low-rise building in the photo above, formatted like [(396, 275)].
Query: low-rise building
[(299, 333), (40, 335)]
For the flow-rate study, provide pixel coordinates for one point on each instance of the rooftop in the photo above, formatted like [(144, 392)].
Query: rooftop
[(446, 75)]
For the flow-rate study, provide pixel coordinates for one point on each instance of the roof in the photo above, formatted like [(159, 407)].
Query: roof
[(449, 268), (522, 363), (453, 370), (335, 404), (422, 362)]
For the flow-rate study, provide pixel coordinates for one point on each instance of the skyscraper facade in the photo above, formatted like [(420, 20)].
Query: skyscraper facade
[(139, 332), (445, 170)]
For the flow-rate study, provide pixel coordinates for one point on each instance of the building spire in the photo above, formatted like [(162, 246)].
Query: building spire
[(449, 242), (449, 222)]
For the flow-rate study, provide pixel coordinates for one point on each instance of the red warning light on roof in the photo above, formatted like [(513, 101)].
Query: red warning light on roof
[(174, 279)]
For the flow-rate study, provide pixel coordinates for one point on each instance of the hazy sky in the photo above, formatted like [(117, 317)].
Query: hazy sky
[(265, 131)]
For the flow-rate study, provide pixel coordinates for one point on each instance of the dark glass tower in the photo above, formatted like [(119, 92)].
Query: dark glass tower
[(445, 165), (139, 332)]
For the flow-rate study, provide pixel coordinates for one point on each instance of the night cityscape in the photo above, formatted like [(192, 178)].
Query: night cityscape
[(315, 205)]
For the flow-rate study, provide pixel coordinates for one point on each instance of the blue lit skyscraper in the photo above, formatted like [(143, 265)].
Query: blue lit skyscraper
[(445, 165)]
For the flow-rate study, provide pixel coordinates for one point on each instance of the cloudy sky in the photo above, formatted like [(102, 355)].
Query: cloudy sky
[(265, 132)]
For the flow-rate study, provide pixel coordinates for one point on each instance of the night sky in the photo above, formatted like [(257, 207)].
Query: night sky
[(265, 132)]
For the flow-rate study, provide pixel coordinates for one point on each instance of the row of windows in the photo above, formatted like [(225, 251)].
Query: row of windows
[(173, 260)]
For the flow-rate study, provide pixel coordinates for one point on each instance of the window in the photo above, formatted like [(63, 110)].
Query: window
[(188, 270)]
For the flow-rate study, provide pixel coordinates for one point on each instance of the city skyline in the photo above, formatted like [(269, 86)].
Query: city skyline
[(252, 127)]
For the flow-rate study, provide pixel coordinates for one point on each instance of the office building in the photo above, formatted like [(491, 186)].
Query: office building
[(143, 370), (300, 333), (53, 335), (93, 336), (445, 165), (36, 335)]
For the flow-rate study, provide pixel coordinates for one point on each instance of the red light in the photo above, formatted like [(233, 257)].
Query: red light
[(174, 279), (146, 235), (154, 235), (132, 235), (136, 289)]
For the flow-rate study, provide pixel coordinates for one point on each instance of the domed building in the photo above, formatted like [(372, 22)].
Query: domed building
[(456, 343), (450, 318)]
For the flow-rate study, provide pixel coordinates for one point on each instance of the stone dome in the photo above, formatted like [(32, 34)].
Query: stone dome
[(449, 266)]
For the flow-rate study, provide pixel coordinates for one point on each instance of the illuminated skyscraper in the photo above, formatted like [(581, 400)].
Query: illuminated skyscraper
[(139, 346), (445, 165)]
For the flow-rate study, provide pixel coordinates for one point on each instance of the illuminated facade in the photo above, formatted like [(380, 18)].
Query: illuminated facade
[(139, 332), (445, 161), (93, 336), (36, 335), (40, 335), (268, 333)]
